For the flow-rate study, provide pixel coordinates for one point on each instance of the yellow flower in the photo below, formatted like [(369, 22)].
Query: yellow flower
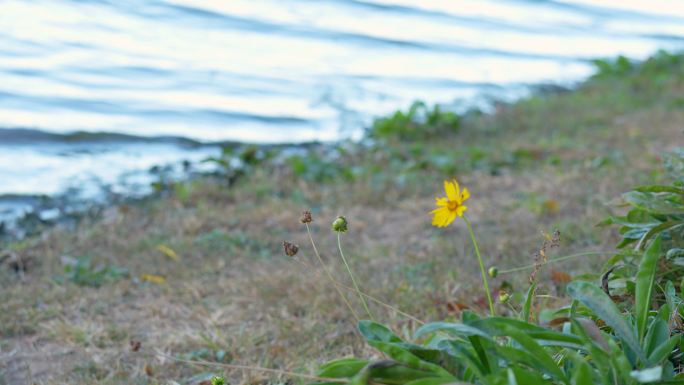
[(451, 206)]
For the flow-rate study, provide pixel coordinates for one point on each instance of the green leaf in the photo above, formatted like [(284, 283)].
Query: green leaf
[(657, 333), (476, 342), (674, 253), (604, 308), (644, 286), (373, 331), (431, 381), (465, 355), (511, 377), (663, 351), (654, 204), (669, 225), (342, 368), (390, 373), (409, 359), (582, 374), (527, 306), (496, 326), (520, 376), (540, 355), (660, 189), (456, 329)]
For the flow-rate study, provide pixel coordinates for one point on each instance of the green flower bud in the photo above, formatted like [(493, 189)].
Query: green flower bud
[(493, 271), (340, 224), (218, 380), (504, 297)]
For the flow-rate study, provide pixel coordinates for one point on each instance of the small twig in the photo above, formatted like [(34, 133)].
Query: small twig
[(552, 260)]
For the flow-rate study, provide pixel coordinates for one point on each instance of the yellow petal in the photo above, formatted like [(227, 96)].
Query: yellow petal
[(452, 216), (460, 210), (451, 189), (443, 217), (465, 194), (440, 217), (441, 201)]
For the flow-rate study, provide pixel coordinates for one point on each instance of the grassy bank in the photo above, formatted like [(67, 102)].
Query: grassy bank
[(199, 274)]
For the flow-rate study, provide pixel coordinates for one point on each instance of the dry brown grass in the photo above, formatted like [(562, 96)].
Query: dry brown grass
[(233, 290)]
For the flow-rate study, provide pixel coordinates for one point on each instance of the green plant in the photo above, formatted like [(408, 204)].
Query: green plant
[(618, 67), (235, 162), (654, 211), (313, 167), (629, 349), (419, 122), (82, 272)]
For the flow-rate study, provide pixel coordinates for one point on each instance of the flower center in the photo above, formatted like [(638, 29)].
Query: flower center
[(452, 205)]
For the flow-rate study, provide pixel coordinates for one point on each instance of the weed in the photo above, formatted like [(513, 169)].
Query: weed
[(82, 272)]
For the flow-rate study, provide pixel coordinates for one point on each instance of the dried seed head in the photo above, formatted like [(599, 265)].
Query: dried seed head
[(306, 217), (290, 249), (340, 224)]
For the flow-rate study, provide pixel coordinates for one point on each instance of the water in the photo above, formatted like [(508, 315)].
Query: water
[(274, 71)]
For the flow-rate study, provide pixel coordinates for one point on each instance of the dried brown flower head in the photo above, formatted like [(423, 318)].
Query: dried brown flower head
[(306, 217), (290, 249)]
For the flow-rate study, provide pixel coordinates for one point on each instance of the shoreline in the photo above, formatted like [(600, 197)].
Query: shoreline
[(35, 213)]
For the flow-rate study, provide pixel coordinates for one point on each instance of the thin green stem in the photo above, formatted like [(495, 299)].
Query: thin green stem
[(330, 277), (482, 266), (356, 285), (559, 259), (370, 297)]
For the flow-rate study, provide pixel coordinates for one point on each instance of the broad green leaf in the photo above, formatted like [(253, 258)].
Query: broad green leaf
[(342, 368), (663, 351), (669, 225), (657, 333), (644, 285), (476, 342), (581, 374), (517, 357), (604, 308), (652, 203), (409, 359), (462, 352), (660, 189), (541, 356), (373, 331), (495, 326), (388, 372), (522, 376), (432, 381), (674, 253), (511, 377), (456, 329)]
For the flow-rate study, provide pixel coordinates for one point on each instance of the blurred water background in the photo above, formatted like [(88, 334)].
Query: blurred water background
[(270, 71)]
